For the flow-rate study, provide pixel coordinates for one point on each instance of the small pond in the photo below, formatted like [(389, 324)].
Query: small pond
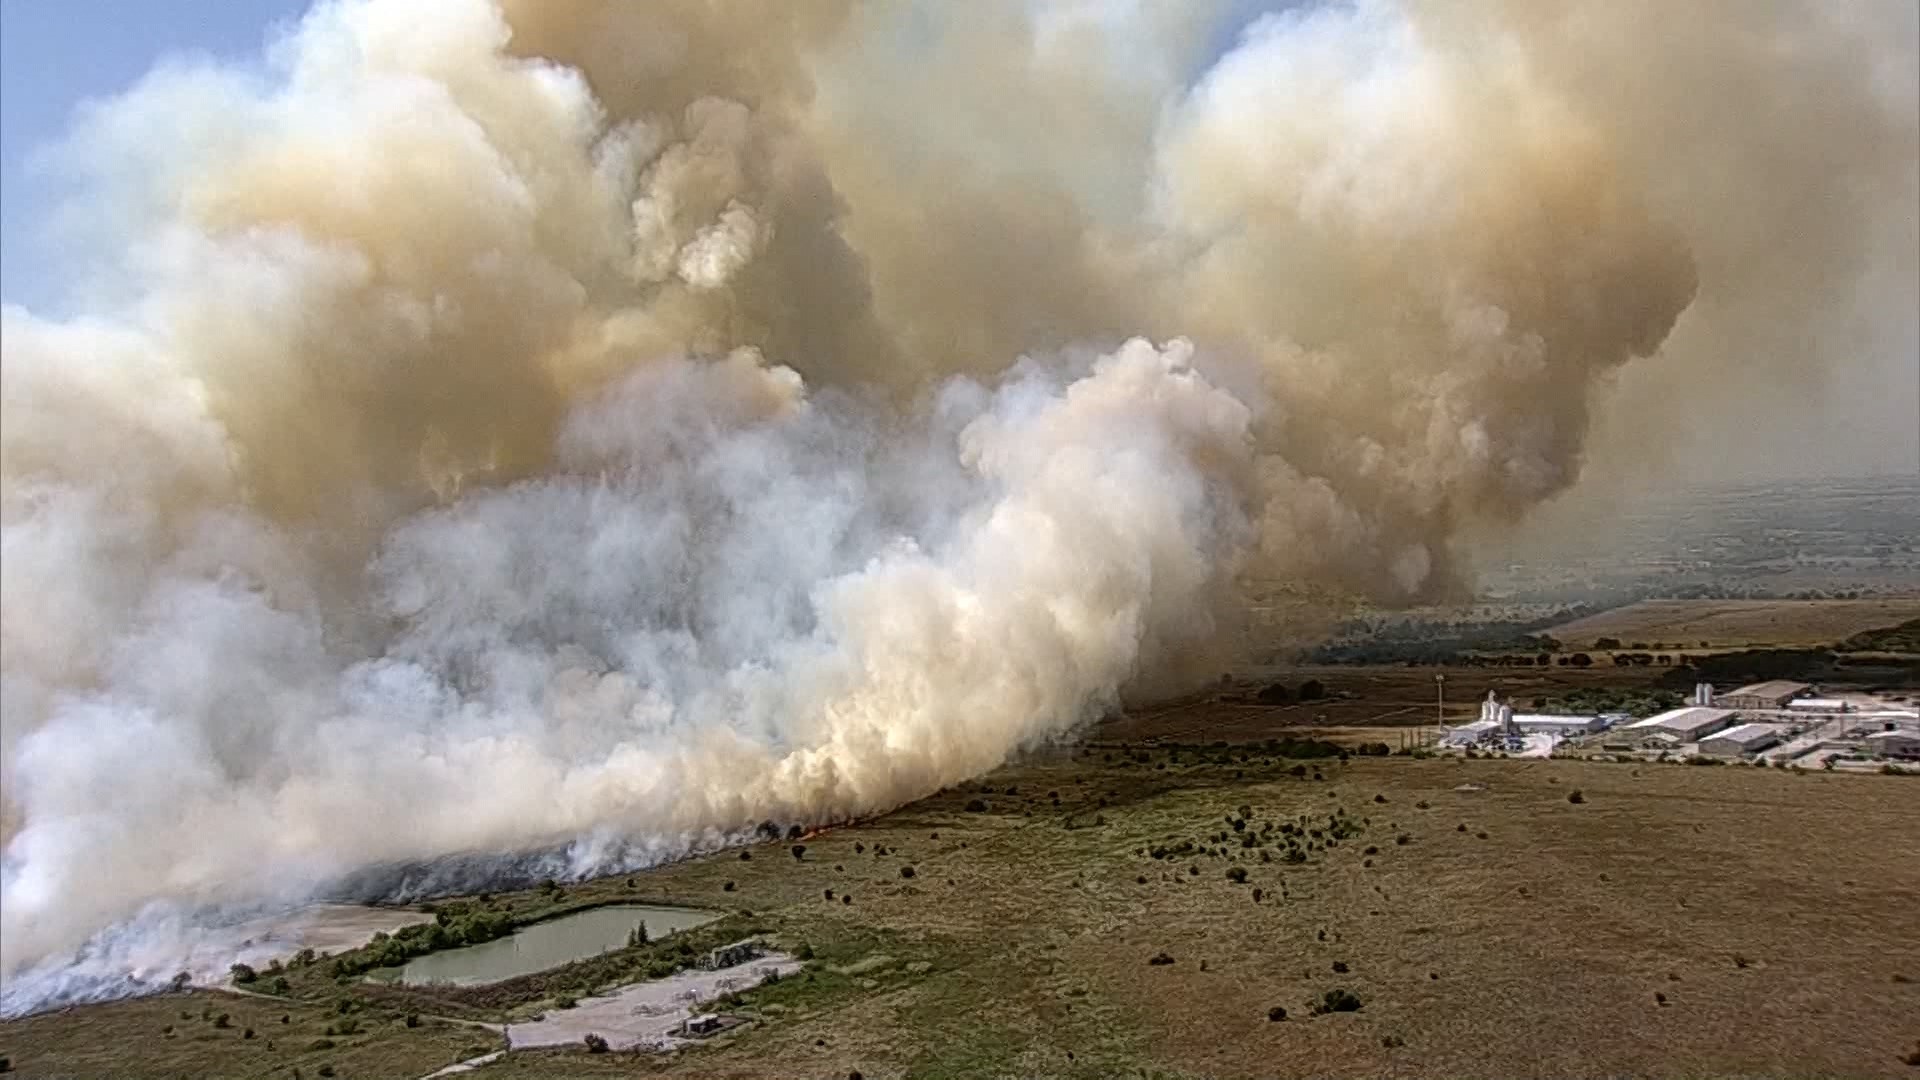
[(542, 945)]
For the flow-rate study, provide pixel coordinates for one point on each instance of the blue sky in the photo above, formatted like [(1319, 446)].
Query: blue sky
[(55, 54)]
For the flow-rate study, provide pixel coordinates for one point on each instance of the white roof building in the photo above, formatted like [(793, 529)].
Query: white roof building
[(1468, 734), (1894, 743), (1818, 704), (1743, 739), (1688, 723), (1544, 724)]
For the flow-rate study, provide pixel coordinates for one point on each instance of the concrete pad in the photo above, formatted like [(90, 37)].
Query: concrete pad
[(645, 1014)]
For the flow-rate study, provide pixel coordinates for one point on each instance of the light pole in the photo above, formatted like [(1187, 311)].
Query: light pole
[(1440, 703)]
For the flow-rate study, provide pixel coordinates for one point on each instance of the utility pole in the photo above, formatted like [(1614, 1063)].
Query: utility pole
[(1440, 703)]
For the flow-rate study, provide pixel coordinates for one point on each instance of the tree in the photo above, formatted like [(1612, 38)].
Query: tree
[(1312, 690), (799, 850), (243, 973), (595, 1044), (1581, 659)]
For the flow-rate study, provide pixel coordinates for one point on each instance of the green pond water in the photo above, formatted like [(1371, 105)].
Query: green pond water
[(541, 946)]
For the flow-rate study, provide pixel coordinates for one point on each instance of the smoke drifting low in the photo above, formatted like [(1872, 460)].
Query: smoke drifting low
[(597, 428)]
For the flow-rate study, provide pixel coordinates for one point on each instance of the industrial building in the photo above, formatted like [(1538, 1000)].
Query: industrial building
[(1766, 695), (1564, 726), (1469, 734), (1894, 744), (1740, 741), (1819, 705), (1687, 724)]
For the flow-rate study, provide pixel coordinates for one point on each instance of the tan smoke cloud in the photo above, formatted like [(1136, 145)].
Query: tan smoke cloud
[(588, 427)]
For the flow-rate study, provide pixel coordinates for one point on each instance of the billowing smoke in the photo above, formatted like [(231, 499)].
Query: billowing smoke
[(592, 429)]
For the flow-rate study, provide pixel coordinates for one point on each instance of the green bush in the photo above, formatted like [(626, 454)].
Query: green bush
[(595, 1044), (242, 973)]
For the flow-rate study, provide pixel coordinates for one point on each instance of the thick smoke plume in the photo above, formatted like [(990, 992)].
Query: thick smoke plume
[(596, 428)]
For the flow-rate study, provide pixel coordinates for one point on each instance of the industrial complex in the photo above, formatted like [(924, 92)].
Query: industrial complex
[(1770, 723)]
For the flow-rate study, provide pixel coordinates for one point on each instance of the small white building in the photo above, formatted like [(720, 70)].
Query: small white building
[(1688, 724), (1740, 741)]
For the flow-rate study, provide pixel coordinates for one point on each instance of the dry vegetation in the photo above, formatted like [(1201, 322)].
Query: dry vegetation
[(1356, 697), (1507, 931), (1733, 624)]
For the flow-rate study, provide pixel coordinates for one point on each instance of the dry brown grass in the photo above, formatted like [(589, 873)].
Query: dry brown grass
[(1020, 947), (1734, 624), (1358, 697)]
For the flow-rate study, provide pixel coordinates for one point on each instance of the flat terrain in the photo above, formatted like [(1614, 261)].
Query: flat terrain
[(1734, 624), (1488, 926), (1358, 696)]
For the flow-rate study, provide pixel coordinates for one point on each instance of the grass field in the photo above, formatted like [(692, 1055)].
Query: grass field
[(1358, 696), (1733, 624), (1497, 932)]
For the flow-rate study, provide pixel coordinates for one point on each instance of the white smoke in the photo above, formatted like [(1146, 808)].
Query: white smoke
[(565, 433)]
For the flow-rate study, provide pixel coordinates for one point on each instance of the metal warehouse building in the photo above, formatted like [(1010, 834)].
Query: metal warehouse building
[(1738, 741), (1894, 744), (1688, 724), (1766, 695)]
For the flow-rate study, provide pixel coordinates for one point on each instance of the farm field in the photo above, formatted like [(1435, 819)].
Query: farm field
[(1735, 624), (1712, 922)]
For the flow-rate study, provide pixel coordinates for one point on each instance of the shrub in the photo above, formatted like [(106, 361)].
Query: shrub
[(565, 1001), (548, 887), (637, 936), (279, 986), (795, 832), (242, 973), (746, 856), (247, 1033), (1403, 839), (799, 851), (1160, 959), (1276, 1014), (325, 1070), (1575, 797), (1334, 1001), (906, 871), (976, 806), (1257, 894), (1237, 875), (1312, 690), (804, 952), (412, 1020), (595, 1044), (222, 1021), (1371, 850), (1339, 967), (320, 1044), (728, 887)]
